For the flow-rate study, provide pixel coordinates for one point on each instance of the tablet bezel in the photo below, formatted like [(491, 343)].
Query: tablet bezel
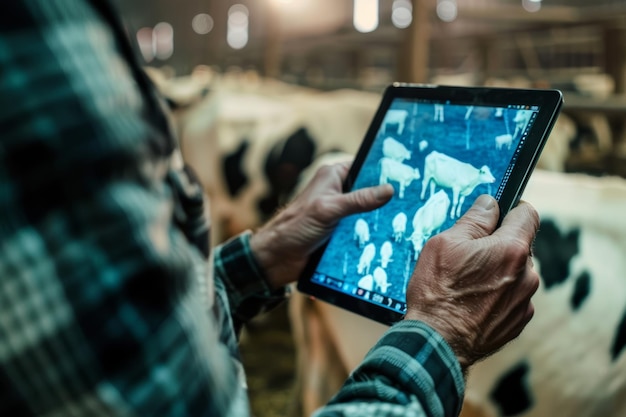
[(549, 102)]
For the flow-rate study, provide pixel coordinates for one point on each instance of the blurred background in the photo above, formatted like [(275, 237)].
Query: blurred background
[(368, 43), (254, 82)]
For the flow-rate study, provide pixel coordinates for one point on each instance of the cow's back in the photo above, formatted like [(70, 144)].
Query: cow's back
[(570, 360), (446, 170)]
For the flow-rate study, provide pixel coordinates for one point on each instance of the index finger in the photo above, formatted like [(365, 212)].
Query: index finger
[(522, 221)]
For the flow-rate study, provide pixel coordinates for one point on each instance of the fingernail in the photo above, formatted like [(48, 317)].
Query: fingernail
[(485, 201)]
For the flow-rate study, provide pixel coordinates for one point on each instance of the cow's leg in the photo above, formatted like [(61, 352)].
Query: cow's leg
[(432, 189), (460, 206), (418, 245), (455, 203), (320, 371), (425, 182), (472, 410)]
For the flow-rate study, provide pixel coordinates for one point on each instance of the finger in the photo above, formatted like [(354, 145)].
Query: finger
[(344, 167), (341, 168), (364, 199), (522, 221), (480, 220), (331, 172), (329, 177)]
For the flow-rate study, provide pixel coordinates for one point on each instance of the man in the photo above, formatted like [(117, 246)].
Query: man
[(108, 305)]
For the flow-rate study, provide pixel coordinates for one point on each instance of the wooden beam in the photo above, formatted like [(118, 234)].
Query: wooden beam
[(615, 61), (550, 15), (516, 14), (414, 51)]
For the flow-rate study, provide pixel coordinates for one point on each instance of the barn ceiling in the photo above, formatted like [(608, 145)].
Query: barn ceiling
[(307, 17), (326, 26)]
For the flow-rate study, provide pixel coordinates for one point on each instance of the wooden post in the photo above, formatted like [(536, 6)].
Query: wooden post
[(414, 52), (615, 66), (273, 43), (486, 61), (615, 61)]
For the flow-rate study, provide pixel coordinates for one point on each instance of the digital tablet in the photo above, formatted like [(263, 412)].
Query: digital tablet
[(440, 147)]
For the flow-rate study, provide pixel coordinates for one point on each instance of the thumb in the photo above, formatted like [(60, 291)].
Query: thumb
[(480, 220), (365, 199)]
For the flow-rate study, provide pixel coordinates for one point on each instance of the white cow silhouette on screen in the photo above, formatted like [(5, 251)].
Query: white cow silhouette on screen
[(397, 171), (395, 117), (395, 150), (447, 172), (428, 220)]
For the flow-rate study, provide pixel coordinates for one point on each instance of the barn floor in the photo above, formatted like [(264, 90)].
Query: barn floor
[(268, 355)]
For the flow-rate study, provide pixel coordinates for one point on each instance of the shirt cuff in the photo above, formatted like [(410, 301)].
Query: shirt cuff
[(418, 358), (248, 291)]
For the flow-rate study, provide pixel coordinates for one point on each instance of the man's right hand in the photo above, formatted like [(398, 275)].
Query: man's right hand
[(473, 283)]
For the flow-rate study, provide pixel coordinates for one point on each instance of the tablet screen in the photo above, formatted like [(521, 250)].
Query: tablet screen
[(439, 157)]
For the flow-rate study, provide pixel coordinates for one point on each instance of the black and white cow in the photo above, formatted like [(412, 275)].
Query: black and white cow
[(570, 360), (249, 147)]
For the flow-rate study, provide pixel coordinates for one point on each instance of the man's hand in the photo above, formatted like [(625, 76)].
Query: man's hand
[(283, 245), (473, 283)]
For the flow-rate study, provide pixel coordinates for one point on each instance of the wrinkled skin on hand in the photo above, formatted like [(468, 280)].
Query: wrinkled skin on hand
[(473, 283), (283, 246)]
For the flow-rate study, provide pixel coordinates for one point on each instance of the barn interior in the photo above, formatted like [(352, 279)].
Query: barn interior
[(192, 48), (574, 45)]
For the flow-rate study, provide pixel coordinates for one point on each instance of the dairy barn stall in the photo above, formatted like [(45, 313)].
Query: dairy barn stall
[(262, 92)]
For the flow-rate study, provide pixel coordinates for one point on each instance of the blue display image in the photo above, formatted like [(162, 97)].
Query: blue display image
[(439, 159)]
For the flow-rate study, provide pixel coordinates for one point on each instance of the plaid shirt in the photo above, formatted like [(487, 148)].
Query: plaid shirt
[(105, 307)]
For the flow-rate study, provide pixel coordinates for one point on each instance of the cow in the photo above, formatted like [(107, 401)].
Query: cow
[(361, 232), (521, 121), (397, 171), (428, 220), (504, 141), (439, 113), (366, 282), (447, 172), (250, 141), (386, 251), (571, 358), (398, 224), (394, 117), (380, 280), (557, 148), (365, 261), (395, 150)]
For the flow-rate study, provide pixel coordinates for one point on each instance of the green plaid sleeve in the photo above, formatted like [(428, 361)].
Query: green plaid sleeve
[(245, 283), (410, 372)]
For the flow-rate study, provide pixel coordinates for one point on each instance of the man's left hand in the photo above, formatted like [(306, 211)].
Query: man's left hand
[(283, 246)]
